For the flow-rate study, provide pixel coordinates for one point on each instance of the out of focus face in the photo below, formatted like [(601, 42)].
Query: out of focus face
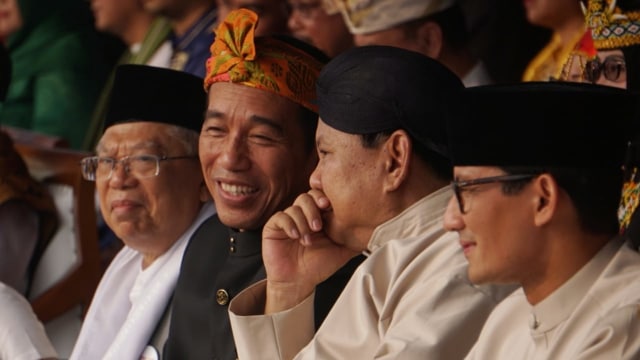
[(10, 17), (273, 14), (311, 23), (149, 214), (113, 16), (171, 8), (253, 152), (550, 13)]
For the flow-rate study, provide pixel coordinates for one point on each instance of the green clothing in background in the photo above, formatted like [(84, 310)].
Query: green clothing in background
[(156, 35), (58, 70)]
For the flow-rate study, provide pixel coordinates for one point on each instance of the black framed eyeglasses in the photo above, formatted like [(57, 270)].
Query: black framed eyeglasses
[(141, 166), (458, 186), (613, 67)]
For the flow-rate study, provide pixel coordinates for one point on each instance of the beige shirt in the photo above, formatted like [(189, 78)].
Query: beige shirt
[(594, 315), (409, 299)]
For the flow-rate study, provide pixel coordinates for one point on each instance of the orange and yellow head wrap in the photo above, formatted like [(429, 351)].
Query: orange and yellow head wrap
[(264, 63)]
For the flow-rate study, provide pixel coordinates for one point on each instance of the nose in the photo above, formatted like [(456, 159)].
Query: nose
[(235, 154), (294, 21), (120, 175), (315, 180), (452, 218)]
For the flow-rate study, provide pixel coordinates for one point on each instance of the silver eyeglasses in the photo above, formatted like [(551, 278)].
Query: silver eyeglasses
[(458, 186), (141, 166)]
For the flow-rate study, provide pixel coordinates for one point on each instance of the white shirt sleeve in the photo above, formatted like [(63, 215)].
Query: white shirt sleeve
[(22, 336)]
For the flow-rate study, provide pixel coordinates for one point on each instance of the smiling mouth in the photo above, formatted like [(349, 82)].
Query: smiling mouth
[(237, 190)]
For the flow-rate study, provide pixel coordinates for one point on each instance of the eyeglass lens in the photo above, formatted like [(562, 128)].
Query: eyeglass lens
[(613, 67)]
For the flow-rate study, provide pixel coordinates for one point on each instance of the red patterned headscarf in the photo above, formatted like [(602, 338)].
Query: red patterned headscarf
[(264, 63)]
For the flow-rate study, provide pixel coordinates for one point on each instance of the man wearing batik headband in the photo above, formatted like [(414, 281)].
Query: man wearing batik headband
[(256, 152), (380, 187)]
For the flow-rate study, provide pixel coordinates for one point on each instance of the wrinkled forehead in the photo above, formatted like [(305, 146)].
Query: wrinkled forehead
[(137, 136)]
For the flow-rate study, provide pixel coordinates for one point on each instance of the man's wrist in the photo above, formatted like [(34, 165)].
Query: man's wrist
[(284, 296)]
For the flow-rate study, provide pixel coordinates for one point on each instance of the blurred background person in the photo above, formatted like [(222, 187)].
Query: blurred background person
[(320, 23), (435, 28), (192, 23), (144, 36), (273, 14), (57, 67), (615, 61), (565, 20), (28, 216)]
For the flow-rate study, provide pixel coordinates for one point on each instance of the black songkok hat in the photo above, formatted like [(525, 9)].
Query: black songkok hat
[(372, 89), (543, 124), (146, 93)]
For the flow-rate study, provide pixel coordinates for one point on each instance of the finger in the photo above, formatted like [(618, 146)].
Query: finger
[(299, 217), (278, 224), (321, 200), (312, 213)]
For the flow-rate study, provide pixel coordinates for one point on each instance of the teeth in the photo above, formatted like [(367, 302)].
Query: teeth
[(237, 189)]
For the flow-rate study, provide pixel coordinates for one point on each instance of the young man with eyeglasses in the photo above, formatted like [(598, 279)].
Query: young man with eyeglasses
[(381, 188), (537, 208), (152, 194)]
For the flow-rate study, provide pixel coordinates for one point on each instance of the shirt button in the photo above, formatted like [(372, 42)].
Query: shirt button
[(533, 322), (222, 297), (232, 240), (232, 248)]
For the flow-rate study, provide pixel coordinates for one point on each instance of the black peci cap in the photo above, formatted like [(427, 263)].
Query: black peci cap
[(146, 93), (544, 124), (371, 89)]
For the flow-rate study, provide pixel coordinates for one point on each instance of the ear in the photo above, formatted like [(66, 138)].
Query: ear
[(429, 37), (397, 154), (546, 199)]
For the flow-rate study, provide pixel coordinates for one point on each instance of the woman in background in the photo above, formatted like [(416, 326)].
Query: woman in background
[(57, 67)]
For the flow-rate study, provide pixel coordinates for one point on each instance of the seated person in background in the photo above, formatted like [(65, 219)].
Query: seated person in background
[(152, 195), (320, 24), (256, 151), (28, 219), (191, 23), (435, 28), (58, 69), (22, 336), (273, 14), (28, 216), (380, 187), (565, 20), (537, 208), (144, 35), (615, 61)]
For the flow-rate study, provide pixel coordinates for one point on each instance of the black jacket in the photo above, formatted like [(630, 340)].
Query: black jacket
[(218, 263)]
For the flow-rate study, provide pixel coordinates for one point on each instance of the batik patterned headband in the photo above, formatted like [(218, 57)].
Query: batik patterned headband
[(263, 63)]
